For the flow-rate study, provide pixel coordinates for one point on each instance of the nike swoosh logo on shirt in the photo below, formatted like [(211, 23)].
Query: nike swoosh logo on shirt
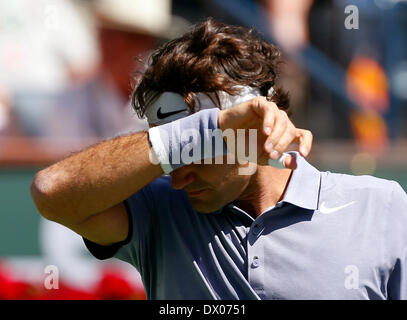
[(324, 209), (161, 115)]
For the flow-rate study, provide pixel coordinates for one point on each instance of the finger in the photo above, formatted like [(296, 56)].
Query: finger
[(288, 136), (290, 162), (304, 138), (269, 119), (280, 126), (267, 111), (301, 136), (286, 160)]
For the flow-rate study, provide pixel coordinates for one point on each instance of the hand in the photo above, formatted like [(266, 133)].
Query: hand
[(275, 131)]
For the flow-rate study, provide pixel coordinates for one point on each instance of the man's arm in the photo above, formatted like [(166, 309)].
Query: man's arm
[(85, 191)]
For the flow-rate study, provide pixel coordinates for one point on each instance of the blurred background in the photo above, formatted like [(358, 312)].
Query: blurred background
[(65, 79)]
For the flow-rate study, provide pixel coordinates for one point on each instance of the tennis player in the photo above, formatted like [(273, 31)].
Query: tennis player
[(188, 213)]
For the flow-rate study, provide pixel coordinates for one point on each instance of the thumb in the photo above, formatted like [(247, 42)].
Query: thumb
[(286, 161), (290, 162)]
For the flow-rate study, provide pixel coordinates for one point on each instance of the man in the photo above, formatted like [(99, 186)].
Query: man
[(222, 227)]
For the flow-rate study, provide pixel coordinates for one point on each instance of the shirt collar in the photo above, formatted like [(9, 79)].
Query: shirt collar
[(304, 185), (302, 190)]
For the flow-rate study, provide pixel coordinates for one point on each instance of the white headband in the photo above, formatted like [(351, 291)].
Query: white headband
[(170, 106)]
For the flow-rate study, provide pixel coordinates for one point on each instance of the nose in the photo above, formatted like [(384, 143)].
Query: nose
[(182, 177)]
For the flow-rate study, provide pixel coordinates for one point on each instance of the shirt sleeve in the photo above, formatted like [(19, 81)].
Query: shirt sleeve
[(140, 210), (397, 235)]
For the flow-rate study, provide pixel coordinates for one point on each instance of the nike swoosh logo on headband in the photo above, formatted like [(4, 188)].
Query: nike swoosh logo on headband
[(161, 115)]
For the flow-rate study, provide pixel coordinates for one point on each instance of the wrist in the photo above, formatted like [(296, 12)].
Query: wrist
[(187, 140)]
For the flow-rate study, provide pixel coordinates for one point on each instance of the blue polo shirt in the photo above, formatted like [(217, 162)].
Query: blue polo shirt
[(332, 236)]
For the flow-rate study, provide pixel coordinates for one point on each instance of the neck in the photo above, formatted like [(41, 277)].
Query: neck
[(265, 189)]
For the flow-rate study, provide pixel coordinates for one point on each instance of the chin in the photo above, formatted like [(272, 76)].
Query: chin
[(204, 207)]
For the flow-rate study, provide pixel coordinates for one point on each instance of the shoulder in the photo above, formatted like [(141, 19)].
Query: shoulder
[(359, 184), (382, 202), (373, 196)]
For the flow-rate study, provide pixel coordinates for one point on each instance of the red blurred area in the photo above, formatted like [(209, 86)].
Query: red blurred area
[(112, 286)]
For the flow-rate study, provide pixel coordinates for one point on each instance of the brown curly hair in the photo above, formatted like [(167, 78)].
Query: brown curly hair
[(211, 57)]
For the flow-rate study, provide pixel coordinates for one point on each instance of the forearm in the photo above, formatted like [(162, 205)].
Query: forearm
[(95, 179)]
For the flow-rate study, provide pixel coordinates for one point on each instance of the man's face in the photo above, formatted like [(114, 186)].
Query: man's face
[(210, 186)]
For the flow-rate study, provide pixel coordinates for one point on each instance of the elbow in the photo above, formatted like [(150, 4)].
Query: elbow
[(43, 194)]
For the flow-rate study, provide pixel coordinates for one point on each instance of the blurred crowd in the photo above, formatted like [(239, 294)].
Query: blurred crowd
[(68, 66)]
